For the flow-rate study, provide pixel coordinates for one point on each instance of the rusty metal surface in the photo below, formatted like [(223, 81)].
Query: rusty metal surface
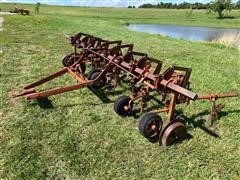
[(216, 96), (173, 133), (215, 108), (120, 63), (20, 10)]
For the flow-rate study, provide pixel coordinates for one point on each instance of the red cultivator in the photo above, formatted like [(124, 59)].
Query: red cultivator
[(112, 62)]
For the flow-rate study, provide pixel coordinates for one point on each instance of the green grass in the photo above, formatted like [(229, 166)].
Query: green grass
[(81, 137)]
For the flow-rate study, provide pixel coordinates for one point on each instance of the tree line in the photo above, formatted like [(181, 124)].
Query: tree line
[(185, 5)]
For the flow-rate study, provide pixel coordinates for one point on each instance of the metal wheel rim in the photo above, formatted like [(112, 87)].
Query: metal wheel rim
[(173, 133), (152, 128)]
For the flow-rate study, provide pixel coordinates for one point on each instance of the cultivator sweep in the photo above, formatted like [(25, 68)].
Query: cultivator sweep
[(112, 63)]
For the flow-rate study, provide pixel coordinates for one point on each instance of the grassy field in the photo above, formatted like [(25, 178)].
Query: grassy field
[(81, 137)]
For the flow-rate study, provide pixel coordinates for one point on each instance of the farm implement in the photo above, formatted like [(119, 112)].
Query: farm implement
[(20, 11), (113, 63)]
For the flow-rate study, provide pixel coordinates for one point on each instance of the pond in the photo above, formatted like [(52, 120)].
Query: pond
[(192, 33)]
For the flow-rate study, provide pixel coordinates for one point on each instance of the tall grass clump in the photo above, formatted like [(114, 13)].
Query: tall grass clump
[(229, 39)]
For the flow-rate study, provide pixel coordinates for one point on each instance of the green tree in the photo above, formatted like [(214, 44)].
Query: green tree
[(37, 6), (219, 6), (238, 4)]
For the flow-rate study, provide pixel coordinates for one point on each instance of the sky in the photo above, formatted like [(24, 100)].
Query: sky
[(101, 3)]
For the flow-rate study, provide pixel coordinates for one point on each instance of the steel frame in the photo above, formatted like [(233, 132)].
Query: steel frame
[(115, 59)]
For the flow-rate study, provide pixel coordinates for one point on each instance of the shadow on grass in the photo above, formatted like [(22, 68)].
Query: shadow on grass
[(45, 103), (225, 113), (226, 17), (200, 123), (103, 95), (136, 112)]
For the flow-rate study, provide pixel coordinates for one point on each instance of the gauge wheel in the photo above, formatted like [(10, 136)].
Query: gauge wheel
[(121, 105), (93, 74), (173, 133), (150, 125)]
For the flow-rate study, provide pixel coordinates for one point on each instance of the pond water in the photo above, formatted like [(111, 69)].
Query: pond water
[(192, 33)]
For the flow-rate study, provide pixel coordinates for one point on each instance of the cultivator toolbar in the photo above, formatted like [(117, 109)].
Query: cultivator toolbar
[(111, 63)]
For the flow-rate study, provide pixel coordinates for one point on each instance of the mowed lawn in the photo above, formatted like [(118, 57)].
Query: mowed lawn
[(80, 137)]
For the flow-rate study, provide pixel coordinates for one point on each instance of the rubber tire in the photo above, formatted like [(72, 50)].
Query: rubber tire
[(83, 67), (144, 122), (64, 60), (119, 105), (93, 74)]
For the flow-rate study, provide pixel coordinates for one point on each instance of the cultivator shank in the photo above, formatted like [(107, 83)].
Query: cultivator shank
[(112, 63)]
